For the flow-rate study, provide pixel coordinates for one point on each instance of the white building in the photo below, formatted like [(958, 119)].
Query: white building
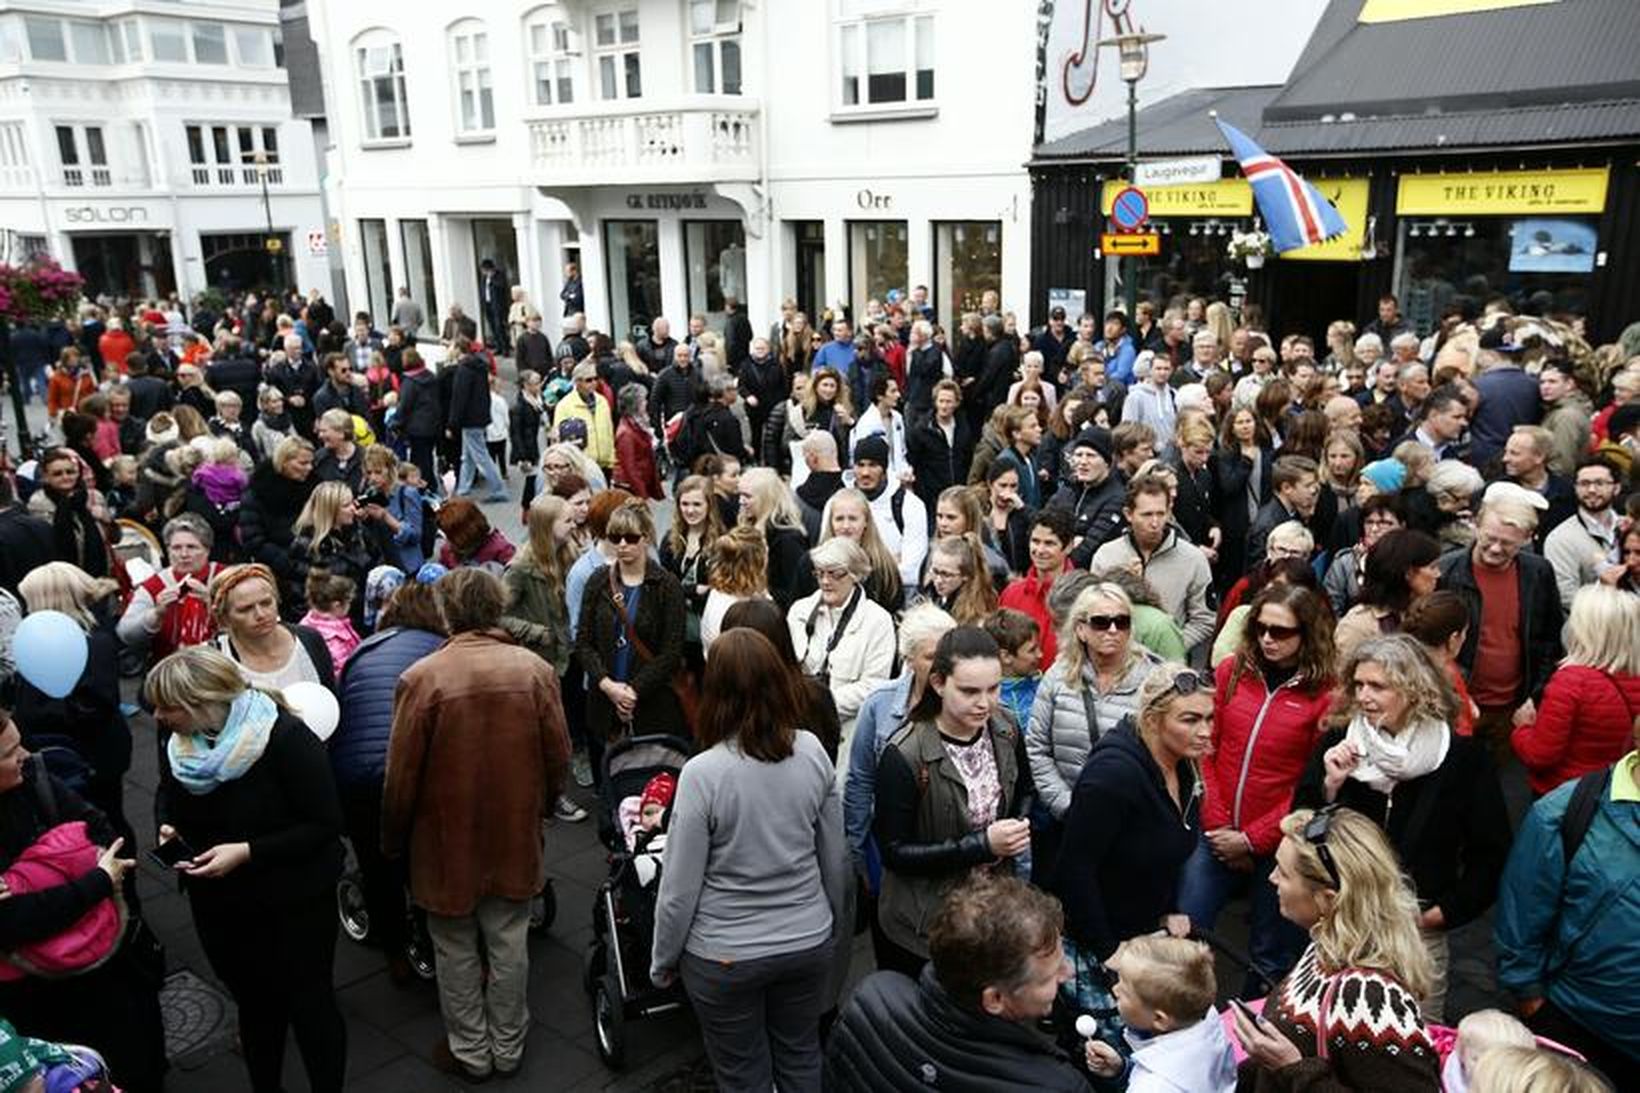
[(681, 151), (136, 138)]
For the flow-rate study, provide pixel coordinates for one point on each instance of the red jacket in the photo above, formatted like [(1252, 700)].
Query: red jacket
[(115, 346), (1030, 595), (635, 469), (64, 391), (1586, 722), (1261, 742)]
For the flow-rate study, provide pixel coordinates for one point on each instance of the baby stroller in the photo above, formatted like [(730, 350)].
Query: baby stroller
[(616, 972)]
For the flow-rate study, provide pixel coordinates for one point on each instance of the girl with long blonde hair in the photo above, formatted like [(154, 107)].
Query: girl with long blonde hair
[(768, 505), (537, 615), (848, 514)]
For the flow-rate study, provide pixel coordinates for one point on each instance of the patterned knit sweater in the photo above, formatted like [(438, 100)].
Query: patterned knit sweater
[(1376, 1038)]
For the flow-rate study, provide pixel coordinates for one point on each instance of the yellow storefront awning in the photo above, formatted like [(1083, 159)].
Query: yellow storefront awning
[(1349, 197), (1503, 193), (1226, 197)]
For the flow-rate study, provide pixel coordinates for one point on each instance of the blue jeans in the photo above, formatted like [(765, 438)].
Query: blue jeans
[(1207, 884), (475, 456)]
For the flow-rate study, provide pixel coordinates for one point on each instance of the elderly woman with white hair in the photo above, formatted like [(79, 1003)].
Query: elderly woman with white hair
[(1453, 486), (841, 637)]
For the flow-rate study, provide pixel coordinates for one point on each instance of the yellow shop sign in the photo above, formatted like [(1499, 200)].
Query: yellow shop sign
[(1483, 193), (1226, 197), (1349, 197)]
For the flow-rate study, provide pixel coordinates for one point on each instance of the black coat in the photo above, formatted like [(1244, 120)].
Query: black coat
[(421, 410), (242, 376), (737, 338), (1231, 472), (991, 389), (327, 468), (1098, 512), (345, 552), (1540, 622), (1197, 507), (657, 355), (896, 1034), (766, 381), (674, 393), (791, 575), (534, 352), (1271, 515), (1454, 845), (469, 395), (659, 625), (938, 464), (924, 368), (267, 516), (524, 431), (149, 395), (1125, 843), (349, 398), (26, 544)]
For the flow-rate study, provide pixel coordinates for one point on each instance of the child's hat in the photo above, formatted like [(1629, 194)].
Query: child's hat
[(659, 791)]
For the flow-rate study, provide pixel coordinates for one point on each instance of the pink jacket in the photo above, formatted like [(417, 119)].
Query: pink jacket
[(340, 637), (61, 856)]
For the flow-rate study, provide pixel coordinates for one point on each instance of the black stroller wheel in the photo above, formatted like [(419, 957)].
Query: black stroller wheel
[(543, 909), (418, 950), (351, 907), (609, 1020)]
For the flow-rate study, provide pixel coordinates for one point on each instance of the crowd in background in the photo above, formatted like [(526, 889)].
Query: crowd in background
[(1030, 651)]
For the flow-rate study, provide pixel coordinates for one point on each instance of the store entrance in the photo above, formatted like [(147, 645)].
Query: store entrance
[(1303, 297), (811, 267), (132, 264)]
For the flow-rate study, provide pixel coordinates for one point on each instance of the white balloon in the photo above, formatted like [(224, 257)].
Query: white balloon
[(316, 706)]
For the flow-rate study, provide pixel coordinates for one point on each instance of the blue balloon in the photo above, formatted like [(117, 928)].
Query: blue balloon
[(50, 651)]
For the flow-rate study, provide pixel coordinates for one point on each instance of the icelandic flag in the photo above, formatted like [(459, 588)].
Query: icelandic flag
[(1295, 212)]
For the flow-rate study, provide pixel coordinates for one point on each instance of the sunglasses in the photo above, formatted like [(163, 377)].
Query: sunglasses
[(1187, 682), (1274, 632), (1108, 622), (628, 539), (1315, 833)]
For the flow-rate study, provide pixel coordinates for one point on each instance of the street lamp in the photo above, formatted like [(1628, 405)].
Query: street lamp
[(1133, 54), (272, 245)]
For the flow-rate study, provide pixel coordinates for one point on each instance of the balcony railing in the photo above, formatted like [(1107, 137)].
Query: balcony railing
[(227, 175), (632, 141), (82, 176)]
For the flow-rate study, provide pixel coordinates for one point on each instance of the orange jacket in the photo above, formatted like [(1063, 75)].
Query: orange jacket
[(64, 391)]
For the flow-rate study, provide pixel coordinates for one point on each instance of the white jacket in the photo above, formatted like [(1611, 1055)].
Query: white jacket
[(1198, 1059), (862, 661)]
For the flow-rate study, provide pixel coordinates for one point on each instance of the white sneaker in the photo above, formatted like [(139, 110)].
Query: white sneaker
[(568, 811)]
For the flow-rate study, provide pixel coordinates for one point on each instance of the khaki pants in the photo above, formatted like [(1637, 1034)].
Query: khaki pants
[(1434, 1007), (486, 1021)]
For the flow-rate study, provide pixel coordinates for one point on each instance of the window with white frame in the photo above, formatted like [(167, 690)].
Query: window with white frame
[(714, 38), (210, 43), (84, 155), (380, 61), (229, 155), (254, 45), (167, 41), (553, 47), (886, 61), (79, 41), (615, 46), (45, 38), (470, 67), (90, 42)]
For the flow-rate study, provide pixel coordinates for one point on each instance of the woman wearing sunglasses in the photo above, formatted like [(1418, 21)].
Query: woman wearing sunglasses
[(1131, 825), (1091, 687), (1270, 700), (1336, 878), (1393, 757)]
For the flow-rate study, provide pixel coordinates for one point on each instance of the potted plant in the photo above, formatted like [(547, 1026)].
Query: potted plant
[(37, 291), (1250, 247)]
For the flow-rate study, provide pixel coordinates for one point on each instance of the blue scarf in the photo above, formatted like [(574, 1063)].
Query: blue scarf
[(200, 766)]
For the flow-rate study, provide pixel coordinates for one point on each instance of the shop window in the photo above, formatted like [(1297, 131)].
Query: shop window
[(967, 264), (632, 258), (45, 38), (877, 260), (418, 274), (378, 274), (715, 254), (382, 98), (210, 44), (167, 41), (552, 48), (615, 45), (1538, 263), (255, 47), (886, 62), (470, 68), (714, 31)]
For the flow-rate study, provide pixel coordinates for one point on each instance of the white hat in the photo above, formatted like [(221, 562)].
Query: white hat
[(1510, 493)]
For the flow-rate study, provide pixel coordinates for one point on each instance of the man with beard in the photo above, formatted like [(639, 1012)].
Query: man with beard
[(1582, 547)]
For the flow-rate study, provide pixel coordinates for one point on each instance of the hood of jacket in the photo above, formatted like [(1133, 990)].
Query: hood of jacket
[(276, 493)]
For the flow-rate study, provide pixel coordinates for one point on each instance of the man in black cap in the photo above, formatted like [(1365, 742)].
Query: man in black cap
[(1093, 495), (899, 515), (1053, 342)]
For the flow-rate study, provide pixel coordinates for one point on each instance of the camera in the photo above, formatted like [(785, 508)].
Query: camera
[(373, 496)]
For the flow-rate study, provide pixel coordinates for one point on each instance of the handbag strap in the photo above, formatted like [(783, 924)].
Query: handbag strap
[(1328, 993), (619, 599)]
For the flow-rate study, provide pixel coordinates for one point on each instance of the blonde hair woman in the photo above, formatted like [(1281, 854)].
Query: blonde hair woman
[(537, 615), (1365, 970), (1393, 757), (848, 515), (1092, 685), (556, 455), (1589, 708), (766, 504), (738, 570), (241, 770)]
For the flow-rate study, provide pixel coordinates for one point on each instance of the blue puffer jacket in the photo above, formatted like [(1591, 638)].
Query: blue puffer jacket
[(358, 749), (1568, 934)]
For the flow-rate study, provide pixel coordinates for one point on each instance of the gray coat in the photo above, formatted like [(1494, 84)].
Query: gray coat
[(1059, 740)]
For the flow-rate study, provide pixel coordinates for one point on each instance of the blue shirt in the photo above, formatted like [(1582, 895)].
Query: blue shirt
[(834, 354), (1118, 361), (621, 667)]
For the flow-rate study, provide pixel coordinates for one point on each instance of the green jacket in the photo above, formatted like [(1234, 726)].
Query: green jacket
[(537, 616)]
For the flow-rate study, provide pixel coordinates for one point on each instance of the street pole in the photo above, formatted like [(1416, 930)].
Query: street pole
[(1130, 264)]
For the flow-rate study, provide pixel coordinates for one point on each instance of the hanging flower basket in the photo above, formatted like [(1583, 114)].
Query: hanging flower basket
[(39, 291), (1250, 247)]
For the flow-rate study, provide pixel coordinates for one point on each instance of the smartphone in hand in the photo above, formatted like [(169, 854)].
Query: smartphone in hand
[(169, 855)]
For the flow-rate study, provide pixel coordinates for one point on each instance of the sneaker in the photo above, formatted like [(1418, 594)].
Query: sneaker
[(568, 811), (581, 768)]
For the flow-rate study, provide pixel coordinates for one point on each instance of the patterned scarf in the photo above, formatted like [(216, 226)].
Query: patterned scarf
[(201, 766)]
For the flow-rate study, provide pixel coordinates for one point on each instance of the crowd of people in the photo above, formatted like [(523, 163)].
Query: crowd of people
[(1028, 653)]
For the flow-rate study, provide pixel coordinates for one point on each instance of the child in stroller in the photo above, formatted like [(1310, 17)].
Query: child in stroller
[(643, 823)]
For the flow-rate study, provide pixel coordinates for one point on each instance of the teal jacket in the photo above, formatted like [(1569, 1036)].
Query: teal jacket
[(1568, 933)]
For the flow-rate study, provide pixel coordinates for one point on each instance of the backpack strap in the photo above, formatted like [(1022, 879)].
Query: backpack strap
[(1580, 811), (896, 504)]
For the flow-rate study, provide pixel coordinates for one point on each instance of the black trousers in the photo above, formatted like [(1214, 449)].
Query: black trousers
[(278, 963), (384, 881), (421, 454)]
